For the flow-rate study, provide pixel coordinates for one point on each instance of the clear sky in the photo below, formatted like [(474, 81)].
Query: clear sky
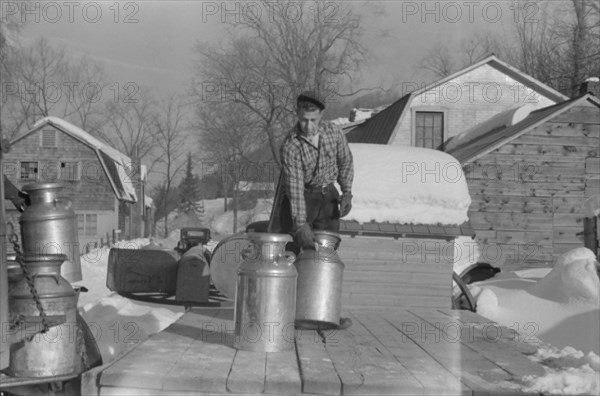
[(150, 42)]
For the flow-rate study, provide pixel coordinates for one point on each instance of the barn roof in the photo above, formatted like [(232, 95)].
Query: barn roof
[(380, 127), (484, 143), (116, 165)]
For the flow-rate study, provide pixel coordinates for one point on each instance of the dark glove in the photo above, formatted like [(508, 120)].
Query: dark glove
[(345, 204), (304, 237)]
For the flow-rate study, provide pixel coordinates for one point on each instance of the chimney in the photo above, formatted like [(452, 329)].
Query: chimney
[(591, 85)]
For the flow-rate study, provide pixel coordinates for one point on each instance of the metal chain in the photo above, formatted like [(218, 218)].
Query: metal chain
[(36, 297)]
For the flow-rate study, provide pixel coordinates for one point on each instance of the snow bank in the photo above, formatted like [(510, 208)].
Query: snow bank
[(401, 184), (561, 308), (223, 223), (574, 277), (118, 323), (569, 372)]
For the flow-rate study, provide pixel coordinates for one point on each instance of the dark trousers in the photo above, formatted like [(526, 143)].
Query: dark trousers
[(322, 209)]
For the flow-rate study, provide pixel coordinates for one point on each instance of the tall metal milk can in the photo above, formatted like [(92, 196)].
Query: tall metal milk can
[(56, 351), (265, 301), (49, 225), (320, 278)]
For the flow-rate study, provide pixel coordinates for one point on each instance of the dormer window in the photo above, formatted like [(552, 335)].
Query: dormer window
[(48, 137)]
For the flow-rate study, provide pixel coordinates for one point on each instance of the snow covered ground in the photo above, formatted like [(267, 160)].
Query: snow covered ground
[(559, 305)]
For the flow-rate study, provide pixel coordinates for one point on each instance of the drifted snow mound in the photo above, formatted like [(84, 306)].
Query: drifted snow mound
[(574, 277), (118, 324), (568, 372), (401, 184), (487, 303)]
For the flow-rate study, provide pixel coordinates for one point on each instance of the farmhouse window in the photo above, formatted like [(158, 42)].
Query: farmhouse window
[(87, 224), (29, 170), (429, 129), (69, 171), (48, 137)]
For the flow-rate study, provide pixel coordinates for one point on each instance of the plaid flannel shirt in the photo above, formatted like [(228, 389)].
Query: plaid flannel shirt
[(306, 165)]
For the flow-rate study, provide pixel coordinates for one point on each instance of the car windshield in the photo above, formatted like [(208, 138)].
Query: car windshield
[(196, 233)]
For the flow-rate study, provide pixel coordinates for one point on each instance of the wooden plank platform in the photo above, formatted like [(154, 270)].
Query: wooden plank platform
[(385, 352)]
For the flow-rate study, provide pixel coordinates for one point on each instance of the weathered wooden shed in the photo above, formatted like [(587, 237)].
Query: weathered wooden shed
[(529, 181)]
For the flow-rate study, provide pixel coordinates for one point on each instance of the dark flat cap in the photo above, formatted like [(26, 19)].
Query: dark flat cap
[(310, 96)]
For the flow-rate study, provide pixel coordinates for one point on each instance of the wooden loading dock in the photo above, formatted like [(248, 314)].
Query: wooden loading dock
[(405, 339)]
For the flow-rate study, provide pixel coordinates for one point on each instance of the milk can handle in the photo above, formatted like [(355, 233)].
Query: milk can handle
[(246, 251), (68, 203), (48, 275)]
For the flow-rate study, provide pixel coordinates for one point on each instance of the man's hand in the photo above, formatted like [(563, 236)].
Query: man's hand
[(304, 237), (345, 204), (17, 197)]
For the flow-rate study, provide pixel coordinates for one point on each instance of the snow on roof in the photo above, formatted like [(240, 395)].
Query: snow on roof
[(340, 121), (500, 120), (409, 185), (122, 163)]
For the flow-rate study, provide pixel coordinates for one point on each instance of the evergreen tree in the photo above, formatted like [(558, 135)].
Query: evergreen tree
[(189, 190)]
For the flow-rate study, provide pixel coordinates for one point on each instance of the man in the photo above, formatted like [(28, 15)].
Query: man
[(314, 156)]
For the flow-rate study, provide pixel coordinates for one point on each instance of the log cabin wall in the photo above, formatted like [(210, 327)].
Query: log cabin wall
[(528, 194)]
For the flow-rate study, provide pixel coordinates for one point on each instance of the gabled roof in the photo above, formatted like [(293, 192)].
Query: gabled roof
[(381, 126), (116, 165), (487, 142), (505, 68)]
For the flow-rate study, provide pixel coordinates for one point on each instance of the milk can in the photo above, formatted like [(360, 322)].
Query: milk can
[(54, 352), (319, 288), (265, 301), (49, 225)]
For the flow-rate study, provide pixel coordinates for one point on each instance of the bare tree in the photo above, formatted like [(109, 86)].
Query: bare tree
[(169, 129), (439, 61), (45, 81), (554, 42), (578, 49), (227, 141), (128, 126), (442, 60), (266, 61)]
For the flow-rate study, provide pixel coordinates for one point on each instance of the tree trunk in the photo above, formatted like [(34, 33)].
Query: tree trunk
[(166, 218), (272, 145), (235, 207), (225, 185)]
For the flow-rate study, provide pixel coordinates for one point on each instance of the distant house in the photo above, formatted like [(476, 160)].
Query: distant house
[(529, 180), (429, 115), (107, 188)]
